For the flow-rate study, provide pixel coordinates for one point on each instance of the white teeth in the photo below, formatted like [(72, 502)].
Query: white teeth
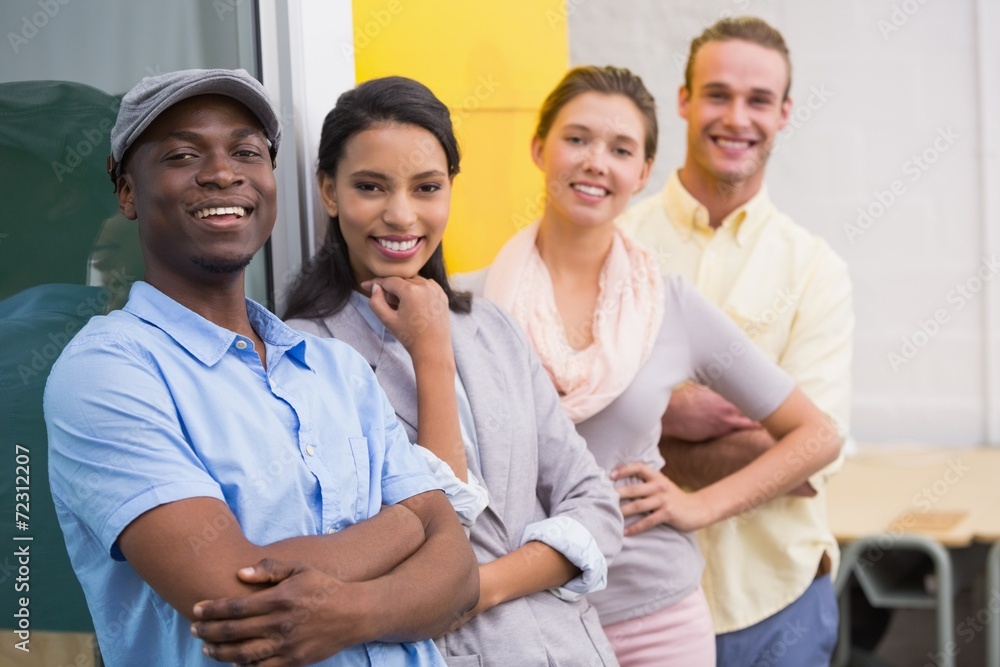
[(728, 143), (398, 246), (238, 211), (590, 190)]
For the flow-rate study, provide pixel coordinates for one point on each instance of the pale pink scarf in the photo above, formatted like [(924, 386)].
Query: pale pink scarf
[(626, 321)]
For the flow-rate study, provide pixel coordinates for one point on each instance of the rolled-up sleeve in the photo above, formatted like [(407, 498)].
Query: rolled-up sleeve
[(584, 518), (579, 547), (467, 499)]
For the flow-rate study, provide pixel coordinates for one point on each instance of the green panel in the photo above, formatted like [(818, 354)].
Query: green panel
[(65, 252)]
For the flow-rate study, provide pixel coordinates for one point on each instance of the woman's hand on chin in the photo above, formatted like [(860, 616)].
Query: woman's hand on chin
[(415, 310)]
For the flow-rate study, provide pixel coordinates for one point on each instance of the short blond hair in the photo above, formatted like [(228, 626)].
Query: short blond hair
[(747, 28)]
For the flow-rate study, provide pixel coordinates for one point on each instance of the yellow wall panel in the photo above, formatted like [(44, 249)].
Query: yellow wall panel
[(519, 45), (492, 63), (498, 191)]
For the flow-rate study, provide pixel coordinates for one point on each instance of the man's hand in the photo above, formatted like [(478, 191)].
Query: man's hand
[(660, 499), (302, 617), (696, 413), (698, 464), (305, 615)]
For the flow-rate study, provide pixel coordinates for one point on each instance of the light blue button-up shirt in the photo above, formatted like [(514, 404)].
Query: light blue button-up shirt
[(154, 404)]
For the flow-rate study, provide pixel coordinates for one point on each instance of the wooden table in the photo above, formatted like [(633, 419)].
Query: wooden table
[(923, 499), (950, 495)]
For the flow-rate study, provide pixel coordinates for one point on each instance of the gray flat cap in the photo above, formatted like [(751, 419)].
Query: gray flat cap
[(155, 94)]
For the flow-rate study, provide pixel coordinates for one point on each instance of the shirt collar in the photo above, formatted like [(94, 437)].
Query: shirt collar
[(362, 304), (689, 215), (205, 340)]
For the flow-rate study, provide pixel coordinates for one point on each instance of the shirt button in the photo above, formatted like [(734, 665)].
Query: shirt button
[(241, 345), (309, 450), (330, 531)]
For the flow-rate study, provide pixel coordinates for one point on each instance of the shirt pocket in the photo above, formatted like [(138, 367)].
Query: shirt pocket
[(362, 471)]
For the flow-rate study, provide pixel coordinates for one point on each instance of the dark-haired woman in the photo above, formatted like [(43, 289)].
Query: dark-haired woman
[(462, 379)]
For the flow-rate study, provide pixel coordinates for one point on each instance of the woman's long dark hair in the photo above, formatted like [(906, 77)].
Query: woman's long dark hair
[(325, 282)]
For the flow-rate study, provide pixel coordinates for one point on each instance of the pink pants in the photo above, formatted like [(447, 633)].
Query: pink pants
[(680, 635)]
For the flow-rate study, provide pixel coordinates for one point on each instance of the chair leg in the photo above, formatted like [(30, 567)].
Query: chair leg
[(943, 601), (993, 593)]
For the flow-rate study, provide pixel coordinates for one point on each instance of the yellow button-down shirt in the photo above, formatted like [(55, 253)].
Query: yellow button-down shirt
[(791, 294)]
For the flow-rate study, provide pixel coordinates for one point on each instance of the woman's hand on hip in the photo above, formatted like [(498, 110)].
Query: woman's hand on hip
[(662, 501)]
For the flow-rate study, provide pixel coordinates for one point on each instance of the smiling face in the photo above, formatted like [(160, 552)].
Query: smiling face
[(201, 183), (734, 110), (392, 195), (593, 158)]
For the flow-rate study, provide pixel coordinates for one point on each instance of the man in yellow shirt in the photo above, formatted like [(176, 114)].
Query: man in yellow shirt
[(768, 571)]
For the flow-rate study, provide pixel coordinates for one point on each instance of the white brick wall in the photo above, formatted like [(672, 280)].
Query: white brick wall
[(893, 91)]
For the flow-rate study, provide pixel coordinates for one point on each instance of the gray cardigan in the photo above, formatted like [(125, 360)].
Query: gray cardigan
[(534, 465)]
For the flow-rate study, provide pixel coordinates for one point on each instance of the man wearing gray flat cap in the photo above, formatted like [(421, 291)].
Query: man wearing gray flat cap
[(230, 489)]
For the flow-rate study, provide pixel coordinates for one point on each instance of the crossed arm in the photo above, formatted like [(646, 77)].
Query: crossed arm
[(805, 442), (403, 575), (711, 446), (706, 438)]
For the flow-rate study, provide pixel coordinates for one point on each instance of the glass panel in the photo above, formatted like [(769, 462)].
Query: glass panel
[(65, 252)]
